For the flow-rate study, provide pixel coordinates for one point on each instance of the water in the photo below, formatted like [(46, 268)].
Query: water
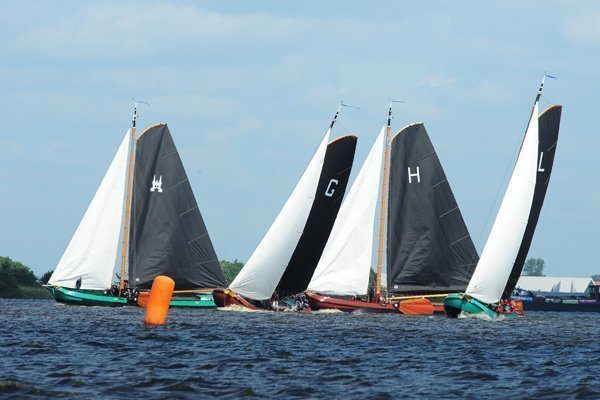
[(52, 350)]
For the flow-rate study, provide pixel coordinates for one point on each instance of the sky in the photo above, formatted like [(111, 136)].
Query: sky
[(248, 89)]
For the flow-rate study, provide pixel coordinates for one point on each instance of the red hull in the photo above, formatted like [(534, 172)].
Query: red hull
[(410, 306), (318, 302), (224, 298)]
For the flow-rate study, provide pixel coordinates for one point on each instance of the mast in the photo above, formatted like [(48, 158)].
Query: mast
[(383, 214), (128, 199)]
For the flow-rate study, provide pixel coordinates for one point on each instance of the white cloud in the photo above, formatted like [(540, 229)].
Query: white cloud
[(119, 31), (438, 81), (583, 29)]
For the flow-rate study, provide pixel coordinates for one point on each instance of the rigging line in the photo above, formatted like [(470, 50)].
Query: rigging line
[(513, 157)]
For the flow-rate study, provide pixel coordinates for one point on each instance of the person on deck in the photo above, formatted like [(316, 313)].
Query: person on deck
[(371, 293), (78, 283), (275, 300)]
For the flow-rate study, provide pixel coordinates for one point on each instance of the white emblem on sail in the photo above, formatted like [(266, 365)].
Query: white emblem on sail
[(156, 184)]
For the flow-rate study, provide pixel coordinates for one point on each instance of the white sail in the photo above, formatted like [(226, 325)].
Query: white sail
[(346, 261), (93, 249), (500, 251), (261, 274)]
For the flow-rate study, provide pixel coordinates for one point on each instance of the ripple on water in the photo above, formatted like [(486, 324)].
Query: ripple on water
[(49, 350)]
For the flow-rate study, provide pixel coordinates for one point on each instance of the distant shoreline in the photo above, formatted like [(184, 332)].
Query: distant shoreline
[(30, 292)]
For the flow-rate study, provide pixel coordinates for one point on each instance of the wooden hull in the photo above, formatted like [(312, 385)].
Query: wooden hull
[(318, 302), (226, 298), (86, 298), (457, 304)]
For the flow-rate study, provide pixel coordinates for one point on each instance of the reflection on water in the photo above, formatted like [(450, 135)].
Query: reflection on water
[(49, 350)]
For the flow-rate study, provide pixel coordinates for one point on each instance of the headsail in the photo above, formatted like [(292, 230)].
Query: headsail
[(549, 123), (429, 248), (92, 252), (328, 199), (346, 261), (261, 274), (167, 235), (503, 244)]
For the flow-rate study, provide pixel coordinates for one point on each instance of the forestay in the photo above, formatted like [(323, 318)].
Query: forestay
[(346, 261), (500, 252), (92, 252), (261, 274)]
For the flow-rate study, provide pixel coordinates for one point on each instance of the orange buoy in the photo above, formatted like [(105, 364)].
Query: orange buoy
[(160, 298)]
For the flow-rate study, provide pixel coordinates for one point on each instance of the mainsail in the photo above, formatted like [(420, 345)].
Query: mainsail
[(91, 253), (502, 247), (259, 277), (549, 123), (346, 261), (167, 234), (325, 207), (429, 248)]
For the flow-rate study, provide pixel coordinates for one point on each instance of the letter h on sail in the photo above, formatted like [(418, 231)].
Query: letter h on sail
[(415, 175)]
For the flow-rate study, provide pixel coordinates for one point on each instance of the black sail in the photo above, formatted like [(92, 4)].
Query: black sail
[(167, 233), (549, 124), (429, 248), (328, 199)]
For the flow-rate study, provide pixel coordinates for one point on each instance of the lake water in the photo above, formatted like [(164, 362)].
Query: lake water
[(51, 350)]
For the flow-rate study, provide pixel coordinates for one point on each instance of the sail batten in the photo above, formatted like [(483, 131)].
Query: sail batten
[(168, 235), (91, 253), (429, 247)]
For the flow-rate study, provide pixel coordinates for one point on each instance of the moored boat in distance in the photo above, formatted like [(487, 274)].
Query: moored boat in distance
[(507, 246)]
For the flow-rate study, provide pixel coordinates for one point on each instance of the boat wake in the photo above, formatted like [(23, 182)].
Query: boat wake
[(237, 308), (484, 317), (328, 311)]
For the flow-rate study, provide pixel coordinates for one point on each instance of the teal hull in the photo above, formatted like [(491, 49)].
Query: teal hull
[(456, 304), (199, 301), (86, 297)]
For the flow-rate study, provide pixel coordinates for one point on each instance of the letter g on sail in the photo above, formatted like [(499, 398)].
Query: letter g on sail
[(330, 187)]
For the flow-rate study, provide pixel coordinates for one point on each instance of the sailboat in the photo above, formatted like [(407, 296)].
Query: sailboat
[(146, 200), (429, 249), (507, 246), (287, 255)]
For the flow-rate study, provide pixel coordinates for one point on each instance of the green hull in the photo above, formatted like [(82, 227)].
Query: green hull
[(98, 298), (199, 301), (456, 304), (86, 297)]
